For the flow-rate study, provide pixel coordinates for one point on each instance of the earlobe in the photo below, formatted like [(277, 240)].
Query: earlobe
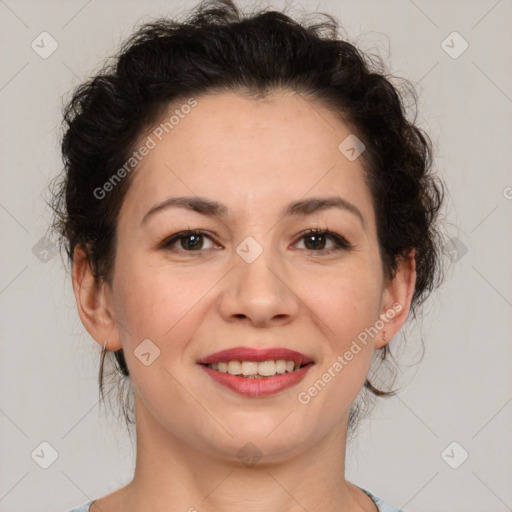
[(397, 298), (92, 302)]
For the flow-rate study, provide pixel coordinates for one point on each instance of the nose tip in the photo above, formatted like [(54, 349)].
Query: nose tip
[(255, 293), (280, 317)]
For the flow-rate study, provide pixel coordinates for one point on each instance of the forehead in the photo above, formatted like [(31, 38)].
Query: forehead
[(245, 151)]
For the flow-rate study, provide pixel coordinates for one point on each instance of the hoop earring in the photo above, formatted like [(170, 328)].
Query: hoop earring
[(384, 336), (105, 346)]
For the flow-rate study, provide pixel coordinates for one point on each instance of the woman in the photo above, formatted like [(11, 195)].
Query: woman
[(250, 218)]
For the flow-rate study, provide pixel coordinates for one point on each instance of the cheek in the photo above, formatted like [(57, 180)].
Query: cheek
[(153, 306), (345, 305), (347, 301), (153, 303)]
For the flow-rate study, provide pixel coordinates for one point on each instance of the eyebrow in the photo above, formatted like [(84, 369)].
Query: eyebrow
[(214, 209)]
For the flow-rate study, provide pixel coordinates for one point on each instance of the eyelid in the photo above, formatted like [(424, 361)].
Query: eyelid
[(341, 243), (167, 242)]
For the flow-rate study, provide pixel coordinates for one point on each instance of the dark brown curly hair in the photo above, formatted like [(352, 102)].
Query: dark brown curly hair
[(220, 48)]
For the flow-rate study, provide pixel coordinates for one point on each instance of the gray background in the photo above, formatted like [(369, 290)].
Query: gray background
[(459, 392)]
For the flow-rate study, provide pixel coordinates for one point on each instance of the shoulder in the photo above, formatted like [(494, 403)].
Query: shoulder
[(381, 504), (82, 508)]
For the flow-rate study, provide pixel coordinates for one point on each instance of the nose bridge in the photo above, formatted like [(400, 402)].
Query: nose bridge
[(256, 289)]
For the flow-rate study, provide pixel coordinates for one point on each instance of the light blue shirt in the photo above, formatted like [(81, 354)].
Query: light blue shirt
[(381, 505)]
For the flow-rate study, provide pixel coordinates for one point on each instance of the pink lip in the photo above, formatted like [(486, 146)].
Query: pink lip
[(256, 354), (258, 387)]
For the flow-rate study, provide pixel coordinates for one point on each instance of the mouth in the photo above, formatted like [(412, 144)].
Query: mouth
[(257, 372), (255, 369)]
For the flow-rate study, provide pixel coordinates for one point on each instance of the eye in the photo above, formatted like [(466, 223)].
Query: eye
[(316, 240), (190, 241)]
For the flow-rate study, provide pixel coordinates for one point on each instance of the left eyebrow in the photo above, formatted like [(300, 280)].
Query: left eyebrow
[(315, 204), (197, 204), (211, 208)]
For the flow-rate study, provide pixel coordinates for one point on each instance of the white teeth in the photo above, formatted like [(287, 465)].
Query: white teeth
[(249, 368), (235, 367), (254, 369), (267, 368), (280, 366)]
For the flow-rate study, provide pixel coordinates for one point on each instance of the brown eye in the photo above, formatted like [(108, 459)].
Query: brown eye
[(317, 239), (194, 242), (189, 241)]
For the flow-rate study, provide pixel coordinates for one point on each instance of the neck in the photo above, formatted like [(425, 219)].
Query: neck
[(172, 475)]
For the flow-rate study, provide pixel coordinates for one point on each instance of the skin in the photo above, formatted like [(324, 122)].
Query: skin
[(255, 157)]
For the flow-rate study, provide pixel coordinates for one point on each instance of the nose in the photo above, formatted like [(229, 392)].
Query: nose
[(258, 293)]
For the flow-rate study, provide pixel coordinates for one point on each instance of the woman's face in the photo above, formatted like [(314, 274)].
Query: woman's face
[(254, 278)]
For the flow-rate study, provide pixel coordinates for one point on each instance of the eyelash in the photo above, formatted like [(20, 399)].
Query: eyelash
[(340, 242)]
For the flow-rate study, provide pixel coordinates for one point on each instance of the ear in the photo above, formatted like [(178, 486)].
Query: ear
[(396, 299), (93, 299)]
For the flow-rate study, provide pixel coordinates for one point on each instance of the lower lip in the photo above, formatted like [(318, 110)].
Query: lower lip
[(258, 387)]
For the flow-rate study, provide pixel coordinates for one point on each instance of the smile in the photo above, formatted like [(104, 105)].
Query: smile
[(257, 372), (255, 369)]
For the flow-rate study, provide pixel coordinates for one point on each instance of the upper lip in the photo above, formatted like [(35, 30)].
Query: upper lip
[(256, 354)]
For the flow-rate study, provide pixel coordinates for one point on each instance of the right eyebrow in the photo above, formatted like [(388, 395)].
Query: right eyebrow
[(211, 208)]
